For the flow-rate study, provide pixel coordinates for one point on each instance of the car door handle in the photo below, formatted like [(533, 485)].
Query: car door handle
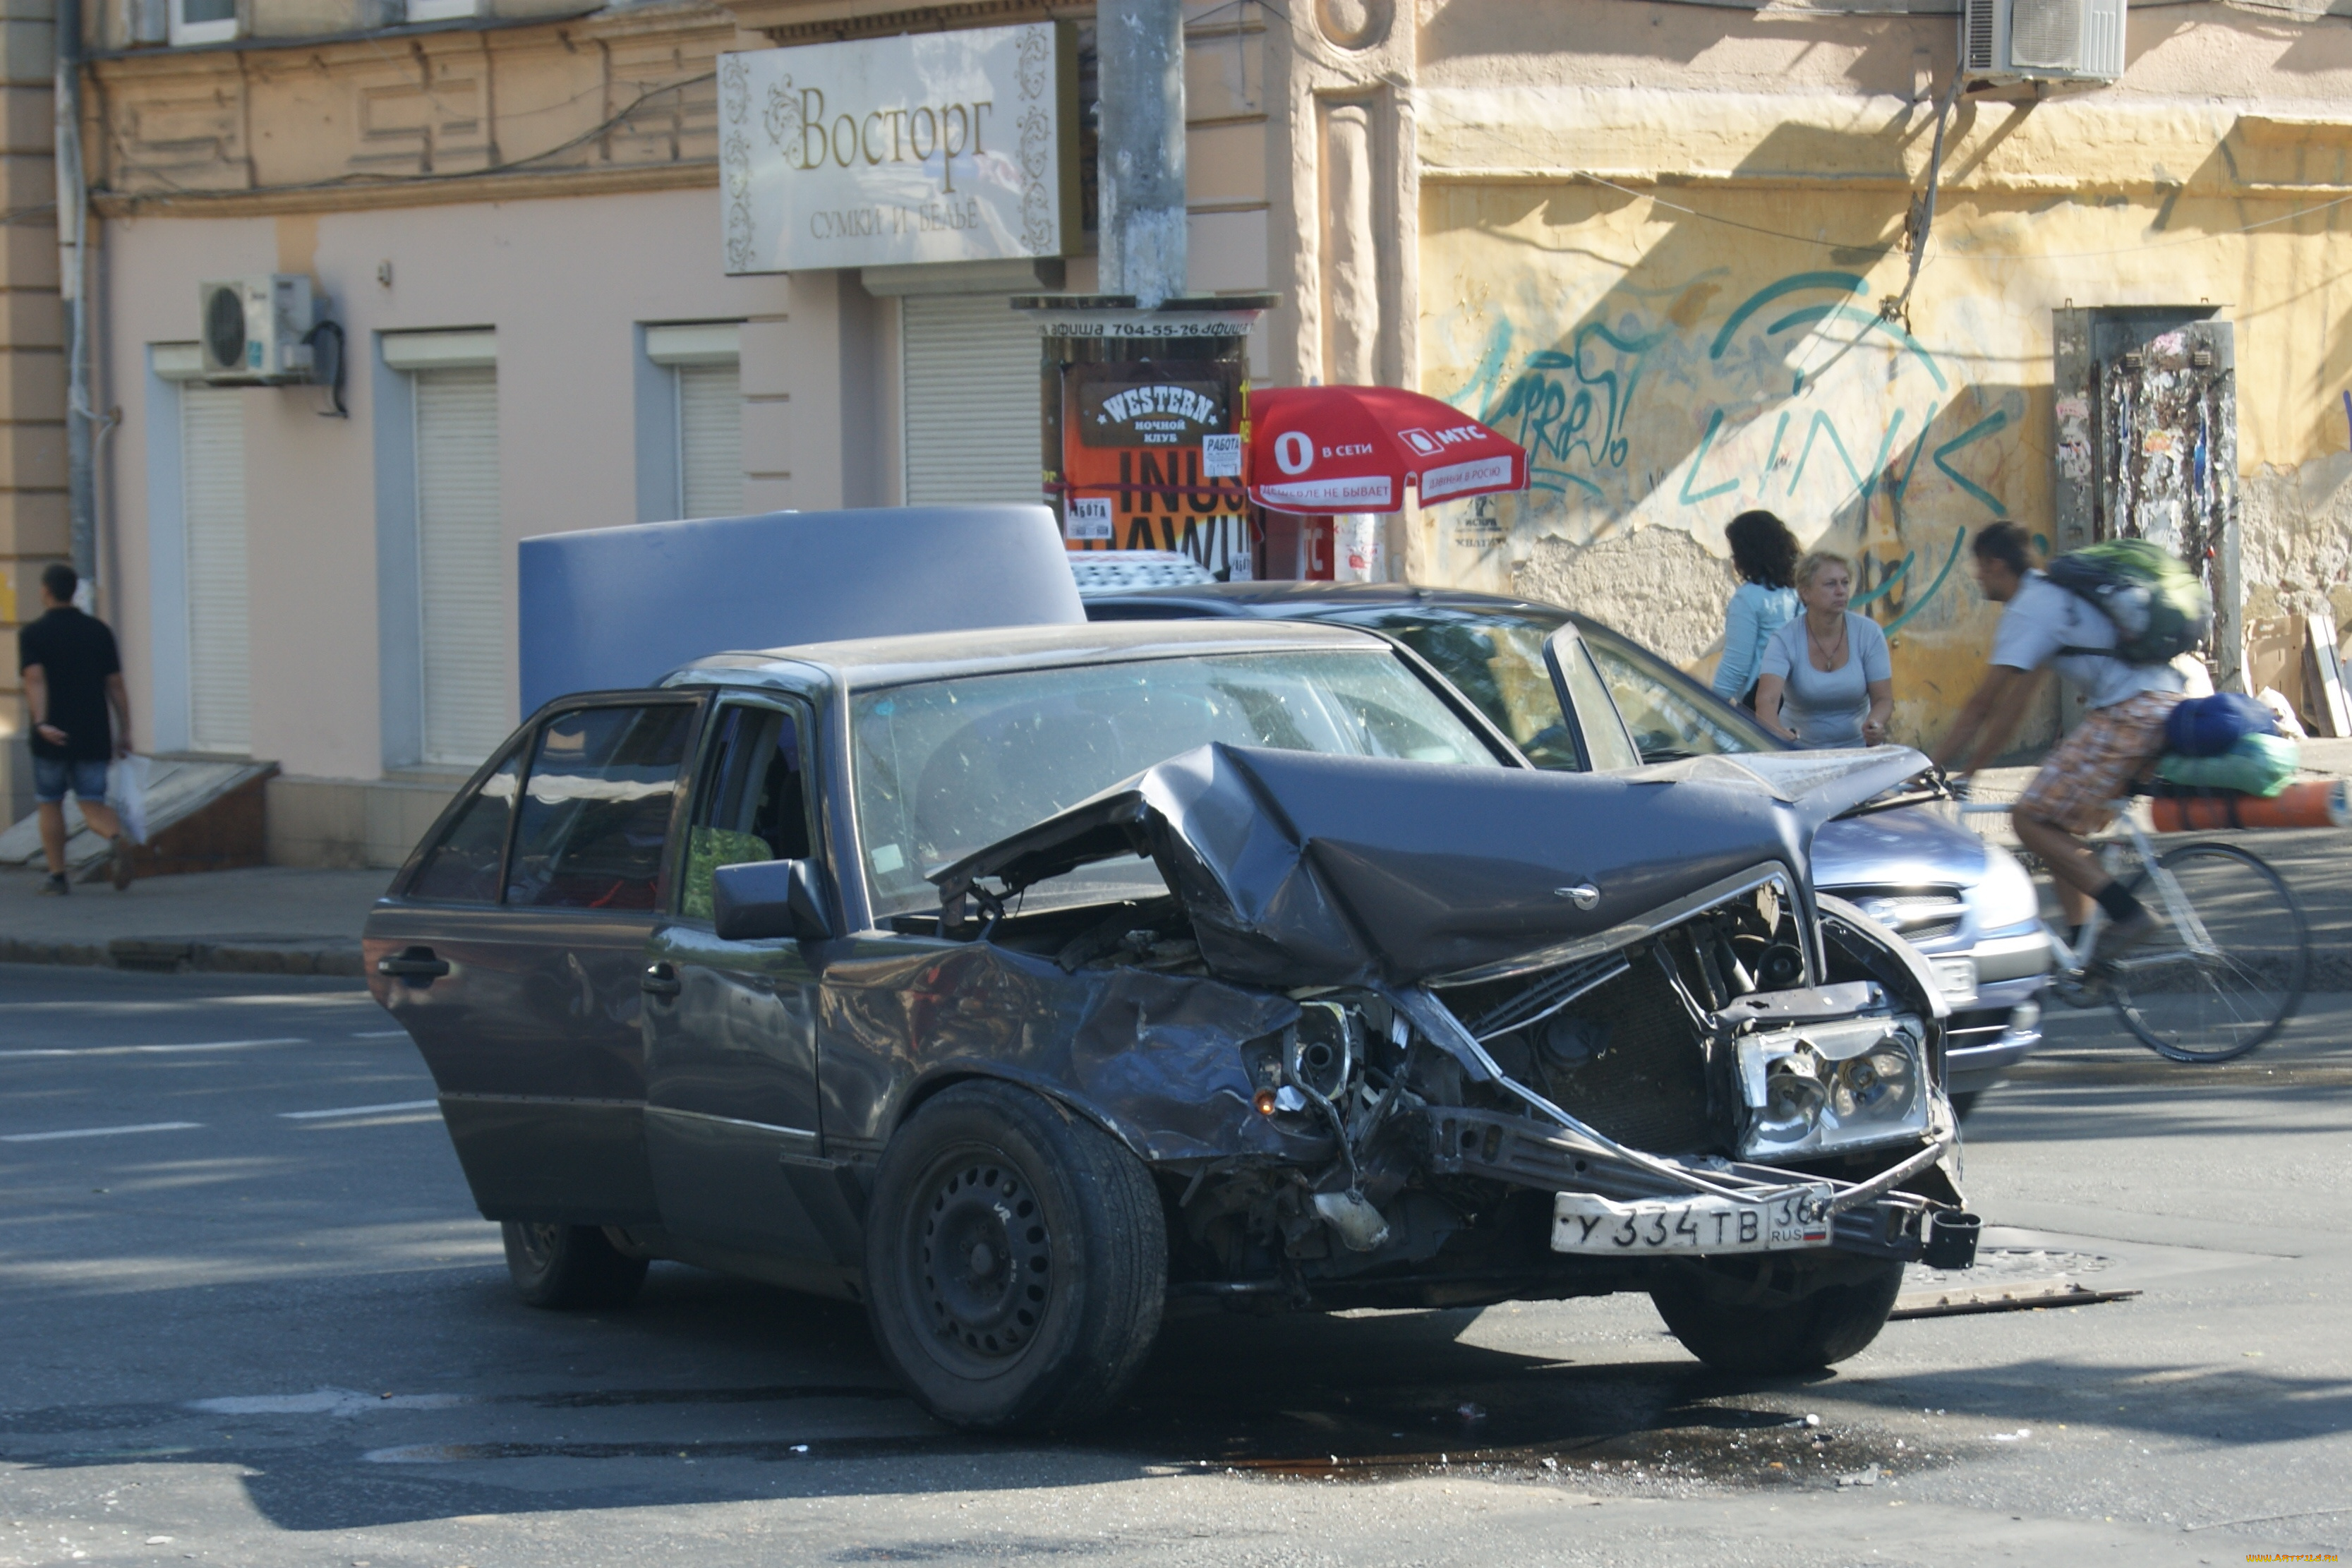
[(661, 980), (416, 963)]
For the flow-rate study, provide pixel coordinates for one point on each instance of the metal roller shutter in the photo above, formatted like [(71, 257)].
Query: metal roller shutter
[(212, 467), (461, 564), (970, 363), (711, 440)]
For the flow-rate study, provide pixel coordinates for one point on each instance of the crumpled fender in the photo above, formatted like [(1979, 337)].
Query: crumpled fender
[(1154, 1058)]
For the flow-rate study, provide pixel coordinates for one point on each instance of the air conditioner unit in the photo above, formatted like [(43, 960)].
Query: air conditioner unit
[(2041, 40), (250, 330)]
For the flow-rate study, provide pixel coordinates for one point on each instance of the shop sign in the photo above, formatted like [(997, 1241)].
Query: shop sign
[(955, 146)]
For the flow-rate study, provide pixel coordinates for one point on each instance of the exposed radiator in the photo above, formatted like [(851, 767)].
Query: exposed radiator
[(1624, 1059)]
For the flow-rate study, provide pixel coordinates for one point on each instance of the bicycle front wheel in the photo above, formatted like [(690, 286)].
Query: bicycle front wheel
[(2217, 978)]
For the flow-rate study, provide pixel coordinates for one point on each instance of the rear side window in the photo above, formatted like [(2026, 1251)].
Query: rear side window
[(463, 868), (596, 807), (1668, 718), (750, 804)]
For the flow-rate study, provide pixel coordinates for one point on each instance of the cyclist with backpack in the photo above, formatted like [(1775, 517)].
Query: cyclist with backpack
[(2109, 618)]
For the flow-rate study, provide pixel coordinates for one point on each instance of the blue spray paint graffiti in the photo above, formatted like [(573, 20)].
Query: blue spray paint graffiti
[(1854, 402)]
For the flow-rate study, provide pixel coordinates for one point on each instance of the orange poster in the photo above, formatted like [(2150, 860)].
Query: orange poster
[(1144, 466)]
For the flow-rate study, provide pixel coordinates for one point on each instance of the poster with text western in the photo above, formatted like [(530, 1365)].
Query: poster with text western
[(956, 146), (1151, 461)]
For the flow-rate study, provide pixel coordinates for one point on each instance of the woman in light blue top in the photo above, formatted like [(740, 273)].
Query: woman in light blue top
[(1764, 553), (1827, 681)]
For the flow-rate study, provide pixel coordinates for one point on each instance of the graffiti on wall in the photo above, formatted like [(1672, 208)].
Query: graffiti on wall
[(1683, 407)]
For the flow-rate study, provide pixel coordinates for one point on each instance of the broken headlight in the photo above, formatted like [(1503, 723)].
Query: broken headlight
[(1821, 1087)]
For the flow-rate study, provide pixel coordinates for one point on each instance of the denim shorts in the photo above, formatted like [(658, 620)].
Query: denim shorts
[(51, 775)]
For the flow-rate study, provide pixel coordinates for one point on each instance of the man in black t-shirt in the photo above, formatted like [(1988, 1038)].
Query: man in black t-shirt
[(72, 676)]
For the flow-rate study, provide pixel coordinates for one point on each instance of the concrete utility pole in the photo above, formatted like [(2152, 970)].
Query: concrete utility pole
[(73, 208), (1139, 47)]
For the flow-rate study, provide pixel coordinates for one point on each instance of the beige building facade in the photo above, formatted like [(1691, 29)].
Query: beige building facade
[(32, 527), (1667, 246)]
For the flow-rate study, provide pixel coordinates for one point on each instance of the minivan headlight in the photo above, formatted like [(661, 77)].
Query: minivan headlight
[(2006, 895)]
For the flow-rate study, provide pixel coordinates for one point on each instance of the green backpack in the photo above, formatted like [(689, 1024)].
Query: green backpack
[(2158, 606)]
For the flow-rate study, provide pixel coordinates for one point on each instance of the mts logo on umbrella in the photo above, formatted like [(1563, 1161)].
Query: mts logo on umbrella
[(1355, 450), (1429, 445)]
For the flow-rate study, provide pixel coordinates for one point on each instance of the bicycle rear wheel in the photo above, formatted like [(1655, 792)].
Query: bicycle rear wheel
[(2214, 1000)]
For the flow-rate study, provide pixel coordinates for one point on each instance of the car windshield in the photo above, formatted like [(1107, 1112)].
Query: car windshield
[(1670, 715), (947, 767)]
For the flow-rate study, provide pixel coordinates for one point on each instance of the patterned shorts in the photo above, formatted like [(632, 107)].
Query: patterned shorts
[(2090, 769)]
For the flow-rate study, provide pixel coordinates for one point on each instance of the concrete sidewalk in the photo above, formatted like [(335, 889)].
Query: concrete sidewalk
[(273, 919)]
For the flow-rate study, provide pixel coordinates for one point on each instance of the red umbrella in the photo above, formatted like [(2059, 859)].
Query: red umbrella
[(1355, 448)]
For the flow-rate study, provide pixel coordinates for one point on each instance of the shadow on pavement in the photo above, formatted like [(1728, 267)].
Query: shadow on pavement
[(1361, 1395)]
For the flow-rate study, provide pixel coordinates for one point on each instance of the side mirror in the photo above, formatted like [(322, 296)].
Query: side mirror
[(765, 898)]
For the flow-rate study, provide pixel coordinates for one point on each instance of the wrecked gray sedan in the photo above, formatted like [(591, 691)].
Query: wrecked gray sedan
[(1027, 984)]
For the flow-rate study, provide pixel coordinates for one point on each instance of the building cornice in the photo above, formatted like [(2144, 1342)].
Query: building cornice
[(129, 68), (784, 22), (373, 195)]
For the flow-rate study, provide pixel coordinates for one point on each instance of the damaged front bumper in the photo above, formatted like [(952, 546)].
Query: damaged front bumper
[(1606, 1205)]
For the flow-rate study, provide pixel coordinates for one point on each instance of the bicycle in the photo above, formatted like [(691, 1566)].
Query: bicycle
[(2184, 991)]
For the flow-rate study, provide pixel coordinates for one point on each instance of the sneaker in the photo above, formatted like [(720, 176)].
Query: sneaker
[(118, 870), (2114, 941), (57, 884)]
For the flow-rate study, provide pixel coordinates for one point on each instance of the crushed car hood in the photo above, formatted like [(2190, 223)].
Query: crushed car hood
[(1304, 869)]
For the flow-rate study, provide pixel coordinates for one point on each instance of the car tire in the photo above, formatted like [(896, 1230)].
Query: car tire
[(1716, 1322), (1060, 1261), (566, 1267)]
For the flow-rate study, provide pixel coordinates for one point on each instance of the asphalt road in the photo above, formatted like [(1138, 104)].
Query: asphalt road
[(248, 1316)]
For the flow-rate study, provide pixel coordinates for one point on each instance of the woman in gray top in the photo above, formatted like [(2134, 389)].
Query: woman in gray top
[(1826, 680)]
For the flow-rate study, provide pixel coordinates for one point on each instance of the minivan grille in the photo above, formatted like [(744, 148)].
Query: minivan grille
[(1916, 914)]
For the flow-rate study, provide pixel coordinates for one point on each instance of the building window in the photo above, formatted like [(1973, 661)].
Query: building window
[(442, 10), (203, 22), (464, 702), (461, 564), (212, 492), (690, 422)]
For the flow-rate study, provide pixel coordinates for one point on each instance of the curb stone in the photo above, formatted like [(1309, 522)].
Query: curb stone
[(175, 955)]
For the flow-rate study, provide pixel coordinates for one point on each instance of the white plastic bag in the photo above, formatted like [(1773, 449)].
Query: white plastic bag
[(126, 792)]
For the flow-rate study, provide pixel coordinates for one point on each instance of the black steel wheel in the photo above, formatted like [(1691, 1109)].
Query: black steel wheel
[(563, 1266), (1717, 1321), (2212, 996), (1016, 1257)]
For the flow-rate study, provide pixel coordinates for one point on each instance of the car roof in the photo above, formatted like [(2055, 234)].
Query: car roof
[(1277, 597), (870, 662)]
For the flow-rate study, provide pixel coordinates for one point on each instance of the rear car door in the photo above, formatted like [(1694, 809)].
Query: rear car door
[(512, 949), (731, 1128)]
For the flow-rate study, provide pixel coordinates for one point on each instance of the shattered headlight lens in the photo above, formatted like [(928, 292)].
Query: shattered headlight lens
[(1846, 1084), (1878, 1084)]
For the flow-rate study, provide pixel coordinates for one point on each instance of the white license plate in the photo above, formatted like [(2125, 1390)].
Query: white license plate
[(1954, 977), (1581, 1222)]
